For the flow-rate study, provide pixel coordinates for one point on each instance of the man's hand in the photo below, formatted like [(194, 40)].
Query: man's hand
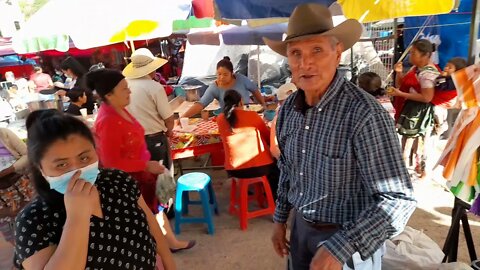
[(324, 260), (279, 239), (398, 67)]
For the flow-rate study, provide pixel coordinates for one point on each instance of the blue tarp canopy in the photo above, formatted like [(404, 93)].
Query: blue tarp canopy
[(244, 35), (453, 29), (255, 9)]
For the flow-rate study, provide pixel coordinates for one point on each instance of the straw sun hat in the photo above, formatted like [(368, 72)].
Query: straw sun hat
[(143, 63), (309, 20)]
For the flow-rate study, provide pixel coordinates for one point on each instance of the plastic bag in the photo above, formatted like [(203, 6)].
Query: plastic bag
[(412, 249), (165, 189)]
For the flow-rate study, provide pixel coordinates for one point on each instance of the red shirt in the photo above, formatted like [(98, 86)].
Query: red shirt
[(246, 146), (120, 143)]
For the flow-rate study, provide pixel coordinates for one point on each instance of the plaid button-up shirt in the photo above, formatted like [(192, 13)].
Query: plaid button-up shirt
[(341, 162)]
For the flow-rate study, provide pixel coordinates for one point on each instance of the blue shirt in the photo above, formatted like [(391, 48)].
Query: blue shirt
[(243, 85), (341, 163)]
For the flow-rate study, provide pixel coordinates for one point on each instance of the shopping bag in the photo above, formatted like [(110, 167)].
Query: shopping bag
[(165, 189), (412, 250)]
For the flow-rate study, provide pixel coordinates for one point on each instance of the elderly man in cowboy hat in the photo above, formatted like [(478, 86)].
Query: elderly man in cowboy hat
[(341, 165), (149, 103)]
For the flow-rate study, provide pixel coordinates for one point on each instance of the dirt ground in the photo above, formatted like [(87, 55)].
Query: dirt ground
[(231, 248)]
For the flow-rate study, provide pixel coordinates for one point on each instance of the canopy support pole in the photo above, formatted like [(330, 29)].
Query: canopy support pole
[(259, 81), (132, 46), (472, 49)]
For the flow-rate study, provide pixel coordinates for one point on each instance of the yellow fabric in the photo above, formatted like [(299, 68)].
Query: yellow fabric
[(134, 29), (376, 10)]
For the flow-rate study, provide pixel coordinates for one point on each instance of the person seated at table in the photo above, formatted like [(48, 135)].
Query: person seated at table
[(372, 83), (121, 143), (83, 216), (226, 80), (283, 93), (13, 158), (77, 98), (245, 138)]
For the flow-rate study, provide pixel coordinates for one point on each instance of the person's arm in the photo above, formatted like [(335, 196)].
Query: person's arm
[(20, 147), (50, 82), (258, 96), (162, 245), (252, 88), (163, 107), (72, 250), (262, 128), (385, 178), (109, 136), (274, 150), (283, 206), (425, 95), (197, 107)]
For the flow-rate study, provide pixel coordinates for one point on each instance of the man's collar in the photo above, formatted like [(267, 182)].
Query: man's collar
[(300, 104)]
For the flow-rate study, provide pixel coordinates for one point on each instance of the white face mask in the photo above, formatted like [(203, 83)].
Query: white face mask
[(60, 183)]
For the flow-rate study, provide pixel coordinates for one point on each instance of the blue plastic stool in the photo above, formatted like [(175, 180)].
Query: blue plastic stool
[(201, 183)]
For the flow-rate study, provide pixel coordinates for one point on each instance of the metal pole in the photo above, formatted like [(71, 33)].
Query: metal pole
[(395, 41), (259, 81), (472, 49)]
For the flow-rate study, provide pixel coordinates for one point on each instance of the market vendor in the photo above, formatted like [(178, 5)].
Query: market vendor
[(226, 80)]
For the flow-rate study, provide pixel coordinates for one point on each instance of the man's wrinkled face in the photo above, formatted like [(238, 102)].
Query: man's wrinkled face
[(314, 61)]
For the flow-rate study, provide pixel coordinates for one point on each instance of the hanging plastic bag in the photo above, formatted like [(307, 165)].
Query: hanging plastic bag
[(166, 188), (412, 249)]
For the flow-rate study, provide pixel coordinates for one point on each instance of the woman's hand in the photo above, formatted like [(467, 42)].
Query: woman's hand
[(155, 167), (398, 67), (80, 198), (394, 92)]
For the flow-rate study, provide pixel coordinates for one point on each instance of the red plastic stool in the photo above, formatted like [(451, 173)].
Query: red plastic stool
[(239, 206)]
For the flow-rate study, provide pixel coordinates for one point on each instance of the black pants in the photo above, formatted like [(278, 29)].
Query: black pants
[(305, 241), (159, 148), (271, 171)]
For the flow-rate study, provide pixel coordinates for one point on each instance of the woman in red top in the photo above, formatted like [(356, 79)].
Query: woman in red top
[(121, 144), (245, 138)]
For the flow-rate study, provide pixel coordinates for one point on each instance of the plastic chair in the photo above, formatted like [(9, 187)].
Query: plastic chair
[(239, 199), (201, 183)]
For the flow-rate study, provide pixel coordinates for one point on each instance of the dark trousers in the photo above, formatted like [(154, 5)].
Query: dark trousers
[(271, 171), (305, 241), (159, 148)]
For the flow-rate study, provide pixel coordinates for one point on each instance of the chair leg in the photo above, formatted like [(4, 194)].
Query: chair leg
[(269, 195), (207, 211), (243, 204), (233, 196), (259, 195), (186, 202), (178, 210), (213, 199)]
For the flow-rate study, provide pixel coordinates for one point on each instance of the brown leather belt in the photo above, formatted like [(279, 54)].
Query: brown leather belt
[(324, 226), (155, 134)]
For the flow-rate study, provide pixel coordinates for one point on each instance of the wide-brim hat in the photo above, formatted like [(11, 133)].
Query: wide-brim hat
[(282, 91), (309, 20), (143, 63)]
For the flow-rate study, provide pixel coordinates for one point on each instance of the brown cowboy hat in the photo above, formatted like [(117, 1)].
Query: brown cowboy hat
[(308, 20)]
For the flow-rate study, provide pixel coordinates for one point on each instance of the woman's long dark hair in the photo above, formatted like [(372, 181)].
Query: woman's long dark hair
[(75, 66), (231, 100), (45, 127)]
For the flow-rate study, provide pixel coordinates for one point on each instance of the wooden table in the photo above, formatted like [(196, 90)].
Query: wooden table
[(204, 139)]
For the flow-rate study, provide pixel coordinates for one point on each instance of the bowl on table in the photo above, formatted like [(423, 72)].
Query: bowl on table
[(269, 114)]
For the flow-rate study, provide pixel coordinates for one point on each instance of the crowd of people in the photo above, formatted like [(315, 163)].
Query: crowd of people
[(332, 154)]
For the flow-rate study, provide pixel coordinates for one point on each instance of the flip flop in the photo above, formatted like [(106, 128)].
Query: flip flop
[(190, 245)]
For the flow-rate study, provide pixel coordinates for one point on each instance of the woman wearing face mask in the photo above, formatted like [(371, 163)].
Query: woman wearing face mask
[(121, 142), (74, 70), (226, 80), (83, 217)]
